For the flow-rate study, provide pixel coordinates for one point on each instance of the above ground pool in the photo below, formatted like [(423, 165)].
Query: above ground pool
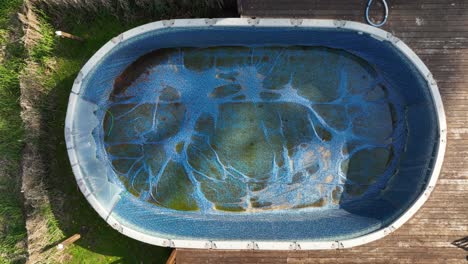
[(255, 133)]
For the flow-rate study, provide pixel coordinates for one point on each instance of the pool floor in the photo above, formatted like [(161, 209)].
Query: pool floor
[(252, 129)]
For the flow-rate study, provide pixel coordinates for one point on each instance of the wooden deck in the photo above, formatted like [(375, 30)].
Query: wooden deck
[(437, 31)]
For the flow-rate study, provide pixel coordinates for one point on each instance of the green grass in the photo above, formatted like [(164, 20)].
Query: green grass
[(61, 60), (10, 123), (44, 47), (12, 228)]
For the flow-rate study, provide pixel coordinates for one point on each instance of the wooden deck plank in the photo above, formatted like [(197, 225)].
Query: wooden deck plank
[(438, 32)]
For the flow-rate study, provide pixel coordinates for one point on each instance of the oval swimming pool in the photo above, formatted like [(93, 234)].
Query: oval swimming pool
[(255, 133)]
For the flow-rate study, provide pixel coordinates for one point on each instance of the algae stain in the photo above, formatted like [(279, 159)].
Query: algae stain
[(179, 147), (229, 208), (336, 194), (319, 203)]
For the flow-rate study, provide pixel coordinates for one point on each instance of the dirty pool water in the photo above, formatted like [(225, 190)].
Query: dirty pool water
[(253, 129)]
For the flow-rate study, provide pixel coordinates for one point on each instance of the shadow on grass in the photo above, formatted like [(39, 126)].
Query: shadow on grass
[(99, 242), (71, 212)]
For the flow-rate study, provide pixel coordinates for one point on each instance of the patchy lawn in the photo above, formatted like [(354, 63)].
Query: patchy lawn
[(61, 60), (12, 229), (54, 64)]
